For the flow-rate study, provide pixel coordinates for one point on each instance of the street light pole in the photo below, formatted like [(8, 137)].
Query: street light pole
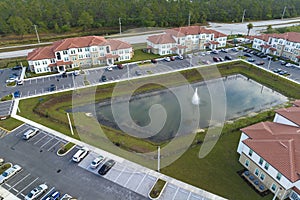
[(127, 71), (37, 34), (243, 15), (283, 12), (120, 23), (270, 59), (158, 159)]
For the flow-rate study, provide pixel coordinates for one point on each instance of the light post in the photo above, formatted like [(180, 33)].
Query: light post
[(158, 158), (127, 71), (120, 24), (270, 59), (37, 34)]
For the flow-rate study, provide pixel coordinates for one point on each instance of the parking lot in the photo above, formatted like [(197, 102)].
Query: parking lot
[(138, 181), (5, 108), (40, 164)]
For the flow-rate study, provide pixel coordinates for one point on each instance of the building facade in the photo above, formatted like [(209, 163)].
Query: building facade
[(270, 152), (285, 45), (78, 52), (185, 39)]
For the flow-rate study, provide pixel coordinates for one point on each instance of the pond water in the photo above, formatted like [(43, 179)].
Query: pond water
[(164, 111)]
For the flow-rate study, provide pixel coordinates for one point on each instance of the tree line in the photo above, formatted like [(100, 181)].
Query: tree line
[(19, 16)]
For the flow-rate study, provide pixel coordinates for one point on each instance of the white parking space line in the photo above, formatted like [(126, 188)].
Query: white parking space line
[(6, 184), (141, 182), (19, 181), (47, 142), (129, 178), (119, 174), (175, 193), (27, 186), (53, 145), (40, 139)]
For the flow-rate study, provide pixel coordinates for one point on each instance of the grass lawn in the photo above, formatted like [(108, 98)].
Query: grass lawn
[(216, 173), (10, 123), (4, 167)]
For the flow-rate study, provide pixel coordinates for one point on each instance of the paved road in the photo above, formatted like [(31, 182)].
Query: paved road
[(40, 164), (241, 28)]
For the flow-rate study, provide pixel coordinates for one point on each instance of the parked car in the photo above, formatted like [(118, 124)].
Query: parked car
[(20, 82), (52, 88), (228, 58), (96, 162), (106, 167), (180, 57), (80, 154), (167, 59), (277, 70), (138, 73), (109, 68), (66, 197), (120, 66), (17, 94), (30, 133), (234, 50), (250, 60), (154, 61), (172, 58), (224, 50), (64, 75), (215, 51), (216, 59), (103, 78), (248, 55), (1, 161), (284, 73), (9, 173), (221, 59), (54, 196), (12, 79), (36, 192), (288, 65), (76, 73), (260, 63)]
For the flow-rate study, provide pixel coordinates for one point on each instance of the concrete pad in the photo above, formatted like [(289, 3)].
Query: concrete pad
[(135, 180), (125, 175), (181, 194), (169, 192), (196, 197), (7, 195), (146, 185)]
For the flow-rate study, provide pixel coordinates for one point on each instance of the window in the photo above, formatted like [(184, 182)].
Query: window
[(72, 51), (267, 166), (107, 49), (52, 60), (79, 50), (273, 187), (87, 49), (261, 161), (66, 59), (250, 152), (58, 57), (278, 177), (247, 163), (65, 52), (256, 172), (262, 177)]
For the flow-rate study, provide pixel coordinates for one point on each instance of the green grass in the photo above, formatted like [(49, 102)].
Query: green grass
[(10, 123), (157, 188), (4, 167), (11, 84), (64, 148), (216, 173), (11, 62), (7, 97)]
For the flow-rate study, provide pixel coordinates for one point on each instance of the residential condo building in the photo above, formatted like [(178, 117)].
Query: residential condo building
[(270, 152), (78, 52), (185, 39)]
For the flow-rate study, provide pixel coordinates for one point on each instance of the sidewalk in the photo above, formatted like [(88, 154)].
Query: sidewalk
[(6, 195), (123, 161)]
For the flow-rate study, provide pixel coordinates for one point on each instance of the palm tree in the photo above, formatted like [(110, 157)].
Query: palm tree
[(249, 27)]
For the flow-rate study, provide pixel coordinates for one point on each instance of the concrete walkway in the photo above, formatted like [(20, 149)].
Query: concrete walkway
[(6, 195), (170, 180)]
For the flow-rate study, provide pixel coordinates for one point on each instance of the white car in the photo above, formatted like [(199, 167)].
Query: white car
[(30, 133), (76, 72), (36, 192), (11, 80), (96, 162), (167, 59), (80, 154), (109, 68), (66, 197), (180, 57), (9, 173)]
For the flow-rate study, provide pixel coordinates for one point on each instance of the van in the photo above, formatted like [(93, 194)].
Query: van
[(30, 133), (80, 154)]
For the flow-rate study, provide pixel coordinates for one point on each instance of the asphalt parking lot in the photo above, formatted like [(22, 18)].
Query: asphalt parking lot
[(5, 108), (40, 164)]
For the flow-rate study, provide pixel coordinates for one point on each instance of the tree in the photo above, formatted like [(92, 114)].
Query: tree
[(249, 27), (85, 20)]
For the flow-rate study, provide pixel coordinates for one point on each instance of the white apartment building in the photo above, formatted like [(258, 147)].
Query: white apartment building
[(185, 39), (270, 152), (78, 52), (286, 45)]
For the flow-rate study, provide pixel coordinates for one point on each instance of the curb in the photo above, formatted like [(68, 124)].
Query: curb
[(61, 155)]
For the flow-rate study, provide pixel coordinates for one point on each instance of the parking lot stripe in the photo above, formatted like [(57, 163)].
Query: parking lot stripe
[(53, 145), (27, 186), (19, 181), (120, 174), (47, 142), (141, 182), (175, 193), (48, 193), (129, 177), (7, 184), (40, 139)]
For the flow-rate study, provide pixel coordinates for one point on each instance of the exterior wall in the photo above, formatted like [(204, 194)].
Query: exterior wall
[(241, 144), (222, 41), (282, 120), (40, 66), (268, 180)]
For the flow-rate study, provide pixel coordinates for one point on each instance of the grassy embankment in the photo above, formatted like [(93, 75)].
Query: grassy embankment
[(217, 172)]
